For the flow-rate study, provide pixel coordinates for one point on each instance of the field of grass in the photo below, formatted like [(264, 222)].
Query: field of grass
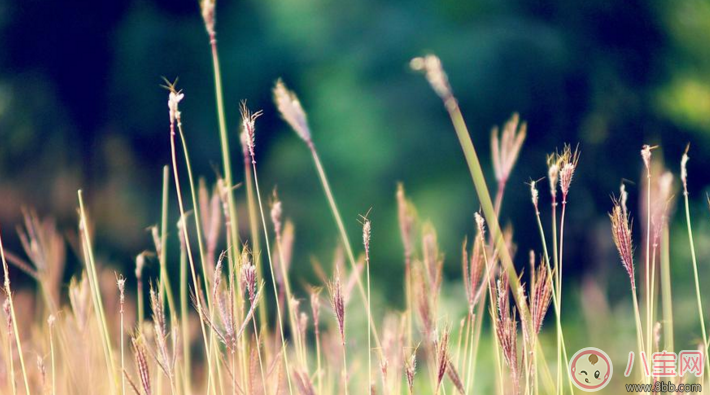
[(235, 324)]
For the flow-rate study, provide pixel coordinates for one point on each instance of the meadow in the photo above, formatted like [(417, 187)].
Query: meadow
[(230, 317)]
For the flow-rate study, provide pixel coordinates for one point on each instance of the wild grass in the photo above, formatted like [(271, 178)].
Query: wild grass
[(217, 337)]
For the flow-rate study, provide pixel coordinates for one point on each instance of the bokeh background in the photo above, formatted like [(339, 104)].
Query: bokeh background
[(81, 107)]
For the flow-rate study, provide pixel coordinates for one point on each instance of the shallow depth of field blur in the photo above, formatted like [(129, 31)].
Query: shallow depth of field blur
[(81, 107)]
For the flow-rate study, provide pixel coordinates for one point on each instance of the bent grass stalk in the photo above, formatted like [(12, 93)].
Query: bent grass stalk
[(292, 112), (344, 238)]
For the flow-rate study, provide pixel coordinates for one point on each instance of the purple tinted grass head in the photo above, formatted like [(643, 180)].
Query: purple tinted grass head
[(442, 358), (567, 165), (541, 297), (472, 272), (621, 232), (410, 370), (139, 353), (507, 331), (248, 279), (337, 301), (249, 128), (505, 147)]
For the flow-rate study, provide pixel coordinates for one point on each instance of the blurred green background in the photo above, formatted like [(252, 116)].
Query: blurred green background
[(81, 107)]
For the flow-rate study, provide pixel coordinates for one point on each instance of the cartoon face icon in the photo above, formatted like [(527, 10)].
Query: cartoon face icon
[(591, 369)]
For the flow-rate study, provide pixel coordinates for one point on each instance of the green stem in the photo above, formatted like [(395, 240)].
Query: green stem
[(667, 299), (96, 293), (188, 252), (344, 238), (185, 319), (273, 276), (485, 200), (561, 349), (639, 335), (649, 293), (697, 282), (255, 243)]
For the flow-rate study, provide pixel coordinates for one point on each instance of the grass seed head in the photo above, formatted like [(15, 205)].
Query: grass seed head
[(542, 294), (276, 214), (568, 164), (337, 301), (684, 170), (621, 232), (432, 68), (139, 353), (646, 156), (291, 111), (535, 195), (506, 148), (406, 215), (248, 277), (208, 15), (174, 98), (248, 126)]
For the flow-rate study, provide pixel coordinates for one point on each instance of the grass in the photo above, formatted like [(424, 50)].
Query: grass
[(239, 348)]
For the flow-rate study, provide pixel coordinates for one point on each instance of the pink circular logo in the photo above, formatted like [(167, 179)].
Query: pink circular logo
[(591, 369)]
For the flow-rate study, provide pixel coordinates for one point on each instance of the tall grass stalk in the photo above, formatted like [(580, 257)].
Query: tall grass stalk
[(201, 250), (276, 213), (553, 175), (162, 256), (184, 312), (666, 293), (366, 233), (248, 120), (292, 111), (121, 282), (561, 349), (439, 82), (701, 316), (50, 326), (96, 292), (208, 15), (639, 336), (16, 333), (175, 98), (255, 237), (345, 239), (646, 155)]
